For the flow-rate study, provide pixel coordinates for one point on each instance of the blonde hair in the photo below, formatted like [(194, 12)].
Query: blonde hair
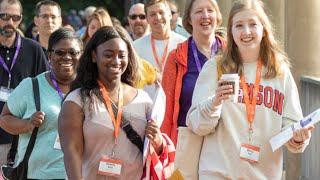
[(271, 53), (102, 16), (187, 12)]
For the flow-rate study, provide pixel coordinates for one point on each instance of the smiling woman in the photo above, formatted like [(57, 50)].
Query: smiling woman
[(19, 116), (104, 120)]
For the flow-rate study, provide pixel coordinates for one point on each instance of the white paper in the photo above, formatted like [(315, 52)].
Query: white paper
[(157, 114), (283, 137), (57, 144)]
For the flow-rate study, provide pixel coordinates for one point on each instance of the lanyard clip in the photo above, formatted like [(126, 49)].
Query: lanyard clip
[(9, 81)]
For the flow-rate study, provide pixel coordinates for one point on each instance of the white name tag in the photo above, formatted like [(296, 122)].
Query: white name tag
[(110, 167), (249, 153), (4, 94), (57, 144)]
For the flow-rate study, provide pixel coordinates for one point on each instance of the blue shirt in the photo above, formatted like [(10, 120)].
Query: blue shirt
[(188, 82), (45, 162)]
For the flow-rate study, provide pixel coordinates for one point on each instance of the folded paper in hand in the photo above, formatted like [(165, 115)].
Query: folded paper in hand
[(157, 115), (284, 136)]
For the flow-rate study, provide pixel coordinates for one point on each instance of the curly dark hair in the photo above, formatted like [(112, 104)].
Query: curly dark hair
[(87, 73)]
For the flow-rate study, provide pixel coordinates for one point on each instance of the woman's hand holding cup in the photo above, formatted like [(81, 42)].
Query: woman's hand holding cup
[(223, 92)]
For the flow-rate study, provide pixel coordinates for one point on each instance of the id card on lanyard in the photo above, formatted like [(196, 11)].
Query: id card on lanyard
[(6, 91), (160, 61), (248, 151), (111, 166)]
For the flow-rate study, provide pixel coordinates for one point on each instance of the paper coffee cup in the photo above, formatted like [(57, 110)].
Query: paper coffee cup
[(232, 79)]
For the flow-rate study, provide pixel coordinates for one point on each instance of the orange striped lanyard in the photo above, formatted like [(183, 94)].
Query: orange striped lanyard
[(160, 62), (251, 105), (107, 102)]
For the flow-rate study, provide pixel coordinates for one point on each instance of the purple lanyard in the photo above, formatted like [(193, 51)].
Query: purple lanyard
[(55, 83), (3, 63), (214, 49)]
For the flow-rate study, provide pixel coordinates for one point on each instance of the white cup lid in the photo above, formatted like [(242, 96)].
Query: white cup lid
[(230, 76)]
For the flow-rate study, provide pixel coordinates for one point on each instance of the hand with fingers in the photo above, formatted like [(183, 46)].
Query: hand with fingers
[(153, 133), (223, 92), (36, 120), (301, 135)]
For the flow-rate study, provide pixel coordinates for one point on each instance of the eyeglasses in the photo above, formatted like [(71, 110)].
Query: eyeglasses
[(47, 16), (174, 12), (135, 16), (63, 53), (7, 17)]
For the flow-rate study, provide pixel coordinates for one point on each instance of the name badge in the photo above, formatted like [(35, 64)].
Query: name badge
[(110, 167), (4, 94), (57, 144), (249, 153)]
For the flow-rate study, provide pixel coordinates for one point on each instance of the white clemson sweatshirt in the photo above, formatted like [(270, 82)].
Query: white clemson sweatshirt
[(225, 127)]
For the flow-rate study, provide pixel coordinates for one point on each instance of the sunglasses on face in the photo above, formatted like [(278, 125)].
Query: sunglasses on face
[(62, 53), (174, 12), (7, 17), (135, 16)]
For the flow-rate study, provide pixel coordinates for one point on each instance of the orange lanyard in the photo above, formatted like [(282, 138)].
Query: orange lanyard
[(251, 105), (161, 61), (107, 103)]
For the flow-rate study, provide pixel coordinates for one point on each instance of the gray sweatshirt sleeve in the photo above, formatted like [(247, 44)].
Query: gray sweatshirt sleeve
[(202, 117)]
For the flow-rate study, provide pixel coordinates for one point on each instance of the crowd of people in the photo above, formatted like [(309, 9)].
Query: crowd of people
[(97, 88)]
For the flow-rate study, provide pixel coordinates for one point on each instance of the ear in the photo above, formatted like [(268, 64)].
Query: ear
[(94, 56), (49, 57), (36, 20), (170, 15), (60, 21)]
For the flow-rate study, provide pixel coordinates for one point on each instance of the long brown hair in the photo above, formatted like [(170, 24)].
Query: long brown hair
[(271, 53), (102, 16)]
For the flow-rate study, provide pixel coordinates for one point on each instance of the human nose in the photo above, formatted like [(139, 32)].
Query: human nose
[(68, 55), (205, 14), (10, 21), (117, 60), (158, 16), (246, 29)]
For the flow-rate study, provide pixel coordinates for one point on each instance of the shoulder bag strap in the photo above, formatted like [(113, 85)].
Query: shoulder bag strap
[(36, 94)]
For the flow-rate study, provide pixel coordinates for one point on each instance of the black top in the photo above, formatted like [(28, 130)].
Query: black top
[(43, 48), (31, 61)]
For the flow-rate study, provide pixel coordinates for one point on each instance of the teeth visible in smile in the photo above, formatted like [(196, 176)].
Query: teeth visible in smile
[(115, 68), (66, 64), (205, 24), (248, 39)]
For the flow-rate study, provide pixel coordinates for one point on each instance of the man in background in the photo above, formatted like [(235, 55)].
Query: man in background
[(137, 21)]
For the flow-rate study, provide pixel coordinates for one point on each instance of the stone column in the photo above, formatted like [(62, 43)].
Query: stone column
[(302, 37), (275, 10), (225, 7), (303, 48), (181, 5)]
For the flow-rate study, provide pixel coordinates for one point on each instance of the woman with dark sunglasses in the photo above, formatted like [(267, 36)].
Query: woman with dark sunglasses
[(19, 115)]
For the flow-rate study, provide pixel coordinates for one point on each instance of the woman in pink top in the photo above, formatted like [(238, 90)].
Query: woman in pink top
[(103, 122)]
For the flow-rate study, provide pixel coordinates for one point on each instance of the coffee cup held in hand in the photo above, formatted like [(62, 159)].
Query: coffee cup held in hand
[(232, 79)]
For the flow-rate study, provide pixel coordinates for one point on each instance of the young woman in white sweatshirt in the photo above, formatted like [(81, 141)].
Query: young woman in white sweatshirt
[(236, 135)]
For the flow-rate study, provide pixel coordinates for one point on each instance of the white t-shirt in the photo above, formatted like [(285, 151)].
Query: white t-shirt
[(144, 49)]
